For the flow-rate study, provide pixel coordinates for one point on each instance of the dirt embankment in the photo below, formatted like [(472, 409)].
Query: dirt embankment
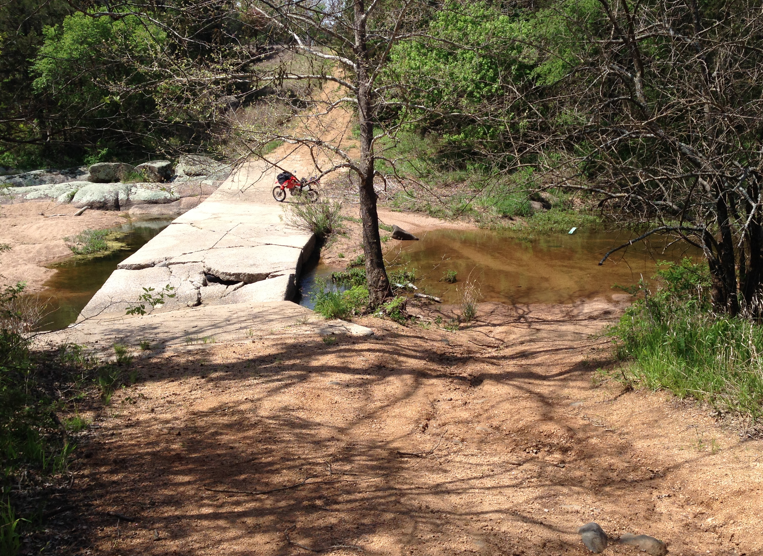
[(489, 440), (34, 233)]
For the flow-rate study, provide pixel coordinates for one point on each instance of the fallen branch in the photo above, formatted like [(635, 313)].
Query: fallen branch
[(422, 454), (80, 211), (318, 550), (425, 296)]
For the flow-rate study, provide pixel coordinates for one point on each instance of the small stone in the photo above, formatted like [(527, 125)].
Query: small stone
[(645, 543), (594, 537)]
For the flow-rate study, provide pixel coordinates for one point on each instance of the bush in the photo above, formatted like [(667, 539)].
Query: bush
[(322, 217), (335, 304), (89, 242), (396, 309), (674, 341)]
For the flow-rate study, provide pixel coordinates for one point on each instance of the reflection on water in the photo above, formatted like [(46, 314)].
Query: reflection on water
[(69, 290), (554, 268)]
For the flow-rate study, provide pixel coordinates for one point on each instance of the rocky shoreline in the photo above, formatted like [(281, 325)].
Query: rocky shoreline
[(152, 188)]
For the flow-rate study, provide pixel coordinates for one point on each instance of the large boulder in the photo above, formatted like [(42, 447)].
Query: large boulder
[(110, 172), (156, 171), (104, 196), (198, 165)]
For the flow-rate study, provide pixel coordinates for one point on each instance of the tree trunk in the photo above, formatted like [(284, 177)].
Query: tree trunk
[(376, 274)]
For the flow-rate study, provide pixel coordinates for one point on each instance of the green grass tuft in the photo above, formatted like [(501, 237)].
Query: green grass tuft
[(671, 339)]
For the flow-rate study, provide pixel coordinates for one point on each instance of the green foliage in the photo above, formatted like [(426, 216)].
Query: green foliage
[(335, 304), (673, 341), (449, 276), (402, 276), (470, 295), (76, 423), (322, 217), (89, 242), (352, 276), (151, 297), (360, 260), (133, 177), (92, 70), (10, 539), (395, 309), (123, 354)]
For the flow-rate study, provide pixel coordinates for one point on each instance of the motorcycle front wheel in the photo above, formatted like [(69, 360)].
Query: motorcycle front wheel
[(279, 194)]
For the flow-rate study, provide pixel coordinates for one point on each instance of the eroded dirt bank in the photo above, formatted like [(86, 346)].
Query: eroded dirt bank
[(488, 440)]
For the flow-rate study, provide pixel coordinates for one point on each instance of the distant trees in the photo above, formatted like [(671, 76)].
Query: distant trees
[(653, 106)]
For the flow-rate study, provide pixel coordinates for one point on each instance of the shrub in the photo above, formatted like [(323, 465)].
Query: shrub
[(449, 276), (470, 295), (336, 304), (395, 309), (675, 342), (88, 242), (353, 276), (322, 217)]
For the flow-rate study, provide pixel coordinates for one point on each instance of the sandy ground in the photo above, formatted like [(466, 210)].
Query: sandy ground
[(35, 232), (496, 438)]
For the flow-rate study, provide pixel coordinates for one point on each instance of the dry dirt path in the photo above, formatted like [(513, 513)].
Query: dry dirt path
[(489, 440)]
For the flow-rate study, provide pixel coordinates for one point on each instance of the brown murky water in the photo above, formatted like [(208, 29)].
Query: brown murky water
[(553, 268), (75, 283)]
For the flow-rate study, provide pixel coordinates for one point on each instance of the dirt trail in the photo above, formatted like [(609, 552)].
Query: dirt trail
[(488, 440)]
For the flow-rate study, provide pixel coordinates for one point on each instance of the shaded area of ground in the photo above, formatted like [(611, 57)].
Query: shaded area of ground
[(488, 440)]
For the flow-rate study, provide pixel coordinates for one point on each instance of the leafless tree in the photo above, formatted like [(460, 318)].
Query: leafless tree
[(665, 117)]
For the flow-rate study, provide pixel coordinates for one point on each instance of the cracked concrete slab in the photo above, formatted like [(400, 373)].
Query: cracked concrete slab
[(252, 264), (175, 240), (234, 248), (126, 286)]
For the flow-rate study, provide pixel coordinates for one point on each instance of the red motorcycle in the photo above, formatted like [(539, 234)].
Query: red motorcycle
[(287, 180)]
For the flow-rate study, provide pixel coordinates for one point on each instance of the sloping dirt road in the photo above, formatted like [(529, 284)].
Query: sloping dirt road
[(492, 439)]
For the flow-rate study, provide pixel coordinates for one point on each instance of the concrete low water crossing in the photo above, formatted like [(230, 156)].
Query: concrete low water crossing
[(231, 265)]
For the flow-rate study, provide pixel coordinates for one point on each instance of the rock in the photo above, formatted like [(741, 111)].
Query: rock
[(251, 264), (198, 165), (110, 172), (156, 171), (399, 233), (149, 194), (537, 206), (543, 199), (645, 543), (43, 177), (230, 102), (61, 192), (103, 196), (594, 537)]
